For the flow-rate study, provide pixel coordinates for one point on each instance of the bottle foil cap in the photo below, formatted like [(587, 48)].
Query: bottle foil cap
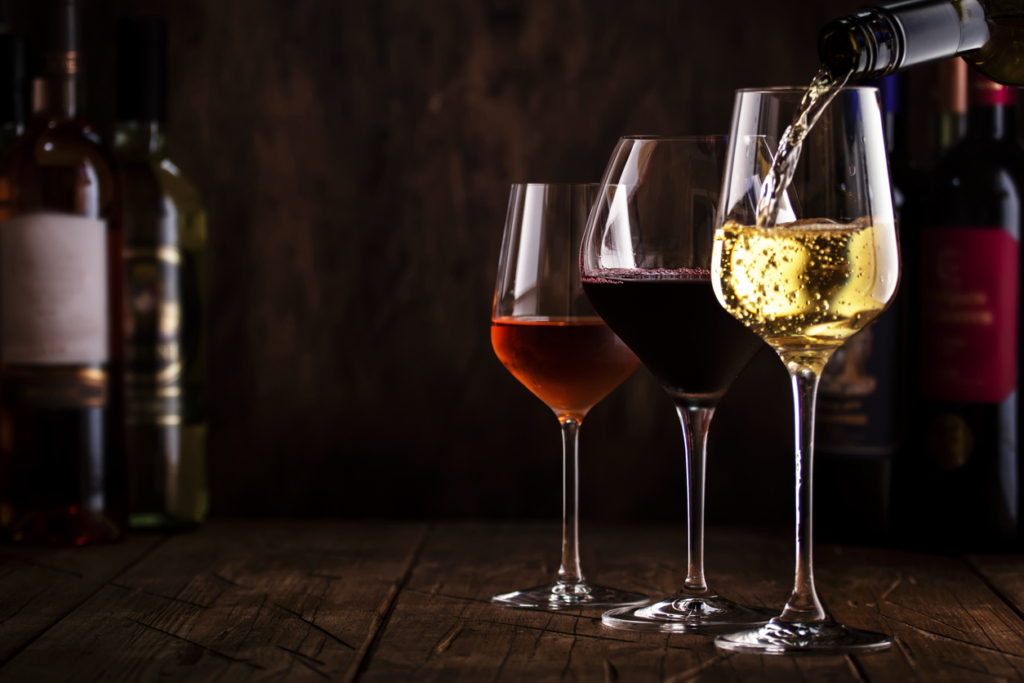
[(986, 93)]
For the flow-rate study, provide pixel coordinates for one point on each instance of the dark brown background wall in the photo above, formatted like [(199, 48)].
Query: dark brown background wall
[(356, 158)]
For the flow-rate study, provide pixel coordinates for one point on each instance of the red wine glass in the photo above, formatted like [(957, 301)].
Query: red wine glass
[(646, 260)]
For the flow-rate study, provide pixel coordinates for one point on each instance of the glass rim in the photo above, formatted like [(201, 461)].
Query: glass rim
[(794, 89), (556, 184), (676, 138)]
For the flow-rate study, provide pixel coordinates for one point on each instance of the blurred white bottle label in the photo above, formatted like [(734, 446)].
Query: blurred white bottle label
[(53, 289)]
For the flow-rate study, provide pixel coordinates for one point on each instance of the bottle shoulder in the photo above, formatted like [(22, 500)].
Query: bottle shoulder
[(981, 182), (177, 182), (976, 161), (161, 205), (63, 143), (157, 173), (61, 166)]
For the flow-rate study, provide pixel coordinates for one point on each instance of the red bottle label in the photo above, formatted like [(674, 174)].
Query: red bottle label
[(968, 314)]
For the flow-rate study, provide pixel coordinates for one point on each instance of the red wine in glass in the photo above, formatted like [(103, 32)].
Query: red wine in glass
[(672, 321)]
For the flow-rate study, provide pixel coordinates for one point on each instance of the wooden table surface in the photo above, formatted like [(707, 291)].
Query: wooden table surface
[(316, 601)]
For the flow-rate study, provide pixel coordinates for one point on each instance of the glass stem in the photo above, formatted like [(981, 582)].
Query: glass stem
[(570, 571), (804, 605), (695, 422)]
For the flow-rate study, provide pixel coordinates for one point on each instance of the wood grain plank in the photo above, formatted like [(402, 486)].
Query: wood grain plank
[(38, 586), (947, 623), (236, 601)]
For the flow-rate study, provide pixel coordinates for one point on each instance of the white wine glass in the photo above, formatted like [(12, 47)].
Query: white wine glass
[(805, 281)]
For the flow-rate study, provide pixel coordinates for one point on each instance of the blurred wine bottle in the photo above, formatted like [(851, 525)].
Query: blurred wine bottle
[(15, 88), (959, 486), (860, 417), (61, 310), (165, 260)]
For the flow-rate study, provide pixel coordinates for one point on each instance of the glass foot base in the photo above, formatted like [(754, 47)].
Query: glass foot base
[(681, 613), (559, 596), (780, 637)]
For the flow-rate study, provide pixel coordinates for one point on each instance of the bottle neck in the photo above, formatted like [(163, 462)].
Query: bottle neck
[(991, 114), (992, 122), (56, 97), (895, 36), (140, 139)]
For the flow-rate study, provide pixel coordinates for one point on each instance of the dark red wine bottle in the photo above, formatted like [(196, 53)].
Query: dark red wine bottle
[(966, 486), (860, 416)]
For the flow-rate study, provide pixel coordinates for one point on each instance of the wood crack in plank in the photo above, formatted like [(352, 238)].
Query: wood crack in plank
[(969, 614), (299, 654), (60, 617), (448, 638), (504, 660), (611, 674), (384, 610), (568, 661), (963, 667), (907, 653), (301, 659), (157, 595), (226, 580), (690, 673), (858, 673), (578, 616), (194, 643), (17, 611), (316, 611), (252, 623), (891, 588), (553, 631), (432, 594), (540, 634), (954, 640), (312, 625), (40, 565), (1007, 600), (926, 616)]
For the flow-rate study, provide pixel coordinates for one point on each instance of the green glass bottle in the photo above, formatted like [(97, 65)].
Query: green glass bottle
[(166, 287)]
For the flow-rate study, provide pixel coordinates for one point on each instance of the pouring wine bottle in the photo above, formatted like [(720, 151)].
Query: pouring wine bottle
[(879, 40), (61, 313), (165, 261)]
